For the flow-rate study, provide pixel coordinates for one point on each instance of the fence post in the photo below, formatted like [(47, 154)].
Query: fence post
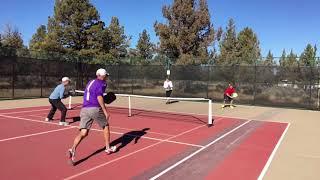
[(131, 75), (41, 79), (318, 89), (118, 83), (208, 80), (13, 77), (310, 87), (78, 75), (255, 83)]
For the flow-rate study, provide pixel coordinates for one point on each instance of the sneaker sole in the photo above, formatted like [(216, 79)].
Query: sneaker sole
[(111, 150), (70, 161)]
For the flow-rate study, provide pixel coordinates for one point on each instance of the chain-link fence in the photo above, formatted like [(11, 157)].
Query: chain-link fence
[(257, 85)]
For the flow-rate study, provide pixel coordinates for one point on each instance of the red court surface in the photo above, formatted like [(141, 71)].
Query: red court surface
[(151, 146)]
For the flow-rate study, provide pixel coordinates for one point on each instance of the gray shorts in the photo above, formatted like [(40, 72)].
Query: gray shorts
[(87, 115)]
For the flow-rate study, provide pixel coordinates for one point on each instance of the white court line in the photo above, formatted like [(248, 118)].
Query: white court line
[(156, 139), (196, 152), (130, 154), (35, 134), (151, 132), (151, 138), (238, 138), (17, 112), (265, 169), (254, 119), (26, 119), (143, 137)]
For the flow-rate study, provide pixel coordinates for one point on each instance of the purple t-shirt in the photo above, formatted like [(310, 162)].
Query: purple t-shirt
[(94, 89)]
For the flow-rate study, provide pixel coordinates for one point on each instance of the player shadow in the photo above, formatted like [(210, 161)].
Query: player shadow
[(128, 137), (75, 119), (171, 102), (124, 140)]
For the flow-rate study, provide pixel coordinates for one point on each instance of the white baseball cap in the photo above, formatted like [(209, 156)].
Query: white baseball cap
[(64, 79), (102, 72)]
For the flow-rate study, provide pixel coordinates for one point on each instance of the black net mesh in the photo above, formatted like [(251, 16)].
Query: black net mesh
[(6, 77), (259, 85)]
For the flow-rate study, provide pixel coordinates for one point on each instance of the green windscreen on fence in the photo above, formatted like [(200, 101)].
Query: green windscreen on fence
[(258, 85)]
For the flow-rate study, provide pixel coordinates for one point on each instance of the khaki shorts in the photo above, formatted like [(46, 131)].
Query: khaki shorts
[(87, 115)]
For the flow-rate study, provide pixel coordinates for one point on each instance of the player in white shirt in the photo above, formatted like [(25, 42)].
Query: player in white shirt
[(167, 85)]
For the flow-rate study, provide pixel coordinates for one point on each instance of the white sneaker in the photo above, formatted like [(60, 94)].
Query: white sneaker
[(71, 155), (111, 149), (47, 119), (63, 123)]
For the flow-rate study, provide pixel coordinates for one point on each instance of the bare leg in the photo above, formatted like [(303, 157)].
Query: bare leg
[(83, 133), (106, 134), (231, 103), (224, 104)]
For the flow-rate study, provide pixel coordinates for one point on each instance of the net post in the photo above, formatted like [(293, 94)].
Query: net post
[(129, 107), (70, 102), (210, 119)]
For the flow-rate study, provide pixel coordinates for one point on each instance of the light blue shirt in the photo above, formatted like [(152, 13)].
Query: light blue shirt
[(57, 92)]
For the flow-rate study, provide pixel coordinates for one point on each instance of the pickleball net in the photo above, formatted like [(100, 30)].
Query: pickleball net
[(194, 110)]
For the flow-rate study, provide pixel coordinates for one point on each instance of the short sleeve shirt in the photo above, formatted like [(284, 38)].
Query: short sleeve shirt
[(167, 85), (229, 91), (94, 89), (58, 92)]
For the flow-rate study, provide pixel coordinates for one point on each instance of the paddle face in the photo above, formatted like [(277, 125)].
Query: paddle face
[(234, 95), (109, 98)]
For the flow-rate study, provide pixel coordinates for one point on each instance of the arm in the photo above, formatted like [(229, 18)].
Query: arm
[(227, 93), (61, 92), (103, 106)]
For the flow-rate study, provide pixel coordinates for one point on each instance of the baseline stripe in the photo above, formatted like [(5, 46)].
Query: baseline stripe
[(35, 134)]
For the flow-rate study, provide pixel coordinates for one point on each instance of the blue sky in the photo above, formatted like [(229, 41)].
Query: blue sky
[(289, 24)]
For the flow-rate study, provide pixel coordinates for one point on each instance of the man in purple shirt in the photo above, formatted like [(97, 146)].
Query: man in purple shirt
[(94, 109)]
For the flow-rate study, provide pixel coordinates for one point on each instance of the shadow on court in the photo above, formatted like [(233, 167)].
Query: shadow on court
[(74, 120), (121, 142), (171, 102)]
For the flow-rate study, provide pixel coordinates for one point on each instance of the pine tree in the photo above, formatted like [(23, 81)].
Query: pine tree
[(0, 41), (291, 69), (308, 57), (228, 45), (74, 27), (189, 31), (144, 46), (117, 41), (283, 58), (269, 61), (38, 39), (248, 50), (291, 60), (11, 37), (52, 41)]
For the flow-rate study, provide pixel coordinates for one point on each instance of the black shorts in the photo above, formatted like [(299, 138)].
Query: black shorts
[(227, 98), (168, 93)]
